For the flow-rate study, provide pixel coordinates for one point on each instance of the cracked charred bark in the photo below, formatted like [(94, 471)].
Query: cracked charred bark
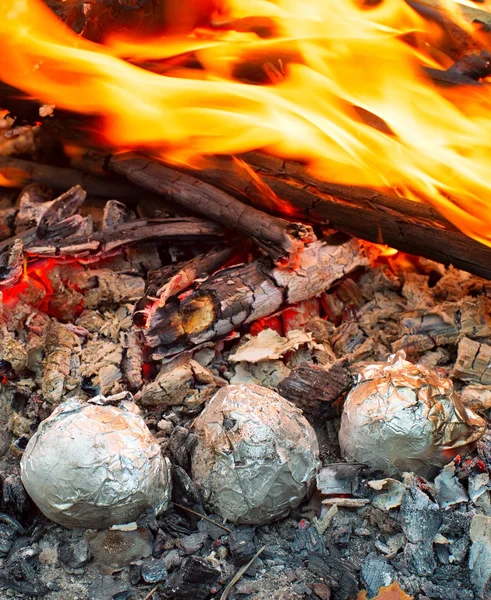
[(239, 295)]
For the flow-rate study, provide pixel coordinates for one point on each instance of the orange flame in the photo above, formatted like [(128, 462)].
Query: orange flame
[(330, 59)]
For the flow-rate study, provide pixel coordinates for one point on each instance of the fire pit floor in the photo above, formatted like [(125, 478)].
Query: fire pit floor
[(67, 330)]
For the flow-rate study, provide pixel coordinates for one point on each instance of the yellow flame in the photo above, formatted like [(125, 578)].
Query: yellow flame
[(329, 59)]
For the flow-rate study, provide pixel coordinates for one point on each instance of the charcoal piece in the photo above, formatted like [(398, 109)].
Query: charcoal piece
[(106, 588), (307, 541), (134, 574), (420, 517), (214, 532), (14, 494), (116, 213), (180, 447), (376, 573), (484, 447), (12, 522), (172, 560), (420, 557), (153, 570), (7, 535), (421, 520), (242, 545), (442, 553), (452, 591), (480, 552), (449, 489), (339, 573), (192, 544), (459, 548), (75, 554), (194, 580), (29, 588), (314, 389), (339, 478), (174, 524)]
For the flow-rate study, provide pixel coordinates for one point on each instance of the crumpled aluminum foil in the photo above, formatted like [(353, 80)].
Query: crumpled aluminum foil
[(256, 456), (95, 466), (404, 417)]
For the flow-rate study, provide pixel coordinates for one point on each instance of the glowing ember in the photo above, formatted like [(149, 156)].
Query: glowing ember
[(325, 62), (46, 286)]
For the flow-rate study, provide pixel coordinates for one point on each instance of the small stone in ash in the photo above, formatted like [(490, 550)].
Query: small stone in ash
[(95, 466), (256, 456), (114, 549), (153, 570), (405, 417)]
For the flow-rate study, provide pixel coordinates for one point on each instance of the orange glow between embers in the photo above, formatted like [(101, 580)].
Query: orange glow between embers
[(320, 61)]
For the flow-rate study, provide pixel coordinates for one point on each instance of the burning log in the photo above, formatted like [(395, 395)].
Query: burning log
[(242, 294), (278, 237), (96, 20), (369, 214)]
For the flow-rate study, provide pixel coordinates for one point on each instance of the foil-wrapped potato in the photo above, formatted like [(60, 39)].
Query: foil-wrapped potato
[(405, 417), (256, 456), (95, 466)]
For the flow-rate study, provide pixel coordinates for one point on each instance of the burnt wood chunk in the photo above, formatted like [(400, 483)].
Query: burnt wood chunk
[(473, 362), (314, 389)]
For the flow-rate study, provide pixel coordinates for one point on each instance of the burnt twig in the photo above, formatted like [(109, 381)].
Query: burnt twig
[(25, 171), (278, 237)]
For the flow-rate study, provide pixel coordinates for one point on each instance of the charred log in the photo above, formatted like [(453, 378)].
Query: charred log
[(63, 178), (174, 279), (369, 214), (314, 389)]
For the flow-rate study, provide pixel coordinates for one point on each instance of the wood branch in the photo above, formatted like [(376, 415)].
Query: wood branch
[(278, 237), (139, 231), (371, 215), (239, 295), (25, 172)]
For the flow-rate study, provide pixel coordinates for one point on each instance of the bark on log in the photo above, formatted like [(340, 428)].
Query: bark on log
[(278, 237), (242, 294), (371, 215)]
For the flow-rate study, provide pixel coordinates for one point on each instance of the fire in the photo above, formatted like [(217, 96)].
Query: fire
[(322, 60)]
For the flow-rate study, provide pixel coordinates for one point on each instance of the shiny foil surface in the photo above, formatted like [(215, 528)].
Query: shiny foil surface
[(95, 466), (257, 456), (405, 417)]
